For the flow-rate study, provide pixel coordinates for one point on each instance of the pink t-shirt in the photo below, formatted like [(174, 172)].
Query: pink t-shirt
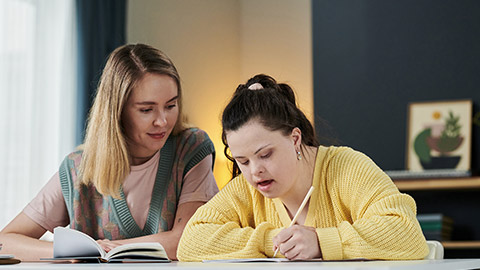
[(48, 208)]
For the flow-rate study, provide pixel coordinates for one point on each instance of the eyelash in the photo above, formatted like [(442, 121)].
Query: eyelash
[(262, 157), (244, 163), (267, 155), (169, 107)]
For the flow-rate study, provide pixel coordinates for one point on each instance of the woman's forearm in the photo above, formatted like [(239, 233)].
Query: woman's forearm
[(25, 248), (20, 238)]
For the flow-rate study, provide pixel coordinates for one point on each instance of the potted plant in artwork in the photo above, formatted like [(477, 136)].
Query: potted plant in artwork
[(435, 144)]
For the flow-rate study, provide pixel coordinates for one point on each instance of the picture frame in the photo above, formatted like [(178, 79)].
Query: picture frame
[(439, 135)]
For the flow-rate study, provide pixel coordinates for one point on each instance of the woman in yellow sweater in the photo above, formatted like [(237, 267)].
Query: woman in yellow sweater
[(355, 210)]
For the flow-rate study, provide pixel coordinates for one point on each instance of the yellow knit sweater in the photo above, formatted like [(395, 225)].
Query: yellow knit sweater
[(356, 208)]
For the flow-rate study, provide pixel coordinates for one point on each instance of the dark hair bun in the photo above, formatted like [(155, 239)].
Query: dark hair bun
[(269, 84)]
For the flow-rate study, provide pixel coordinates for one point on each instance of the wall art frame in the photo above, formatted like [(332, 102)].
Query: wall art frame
[(439, 135)]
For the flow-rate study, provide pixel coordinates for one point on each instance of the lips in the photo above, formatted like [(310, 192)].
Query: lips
[(264, 185), (264, 182), (157, 136)]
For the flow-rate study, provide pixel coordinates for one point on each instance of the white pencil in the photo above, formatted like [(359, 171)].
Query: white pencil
[(309, 193)]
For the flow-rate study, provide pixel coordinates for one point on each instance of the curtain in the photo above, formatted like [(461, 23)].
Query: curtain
[(101, 29), (37, 91)]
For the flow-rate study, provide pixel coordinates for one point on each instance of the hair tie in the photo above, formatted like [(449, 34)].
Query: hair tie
[(255, 86)]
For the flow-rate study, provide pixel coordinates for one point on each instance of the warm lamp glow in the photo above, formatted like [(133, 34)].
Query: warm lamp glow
[(221, 170)]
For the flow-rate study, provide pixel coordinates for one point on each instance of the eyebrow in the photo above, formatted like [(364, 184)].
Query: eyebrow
[(258, 150), (153, 102)]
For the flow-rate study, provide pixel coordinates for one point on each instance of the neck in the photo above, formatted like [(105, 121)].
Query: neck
[(303, 182), (140, 160)]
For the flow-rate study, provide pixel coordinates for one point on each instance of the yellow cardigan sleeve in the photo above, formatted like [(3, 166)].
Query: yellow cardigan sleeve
[(223, 229), (378, 222)]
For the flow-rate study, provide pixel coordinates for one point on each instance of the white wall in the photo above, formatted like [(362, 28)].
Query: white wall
[(218, 44)]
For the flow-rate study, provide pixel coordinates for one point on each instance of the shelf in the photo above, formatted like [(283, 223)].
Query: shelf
[(461, 244), (438, 184), (464, 183)]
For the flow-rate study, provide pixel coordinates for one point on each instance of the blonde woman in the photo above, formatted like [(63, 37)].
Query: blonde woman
[(141, 173)]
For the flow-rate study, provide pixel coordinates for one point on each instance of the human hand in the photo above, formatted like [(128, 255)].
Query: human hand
[(298, 242), (107, 245)]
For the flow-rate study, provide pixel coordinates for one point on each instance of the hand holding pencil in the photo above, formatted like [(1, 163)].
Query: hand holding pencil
[(302, 205)]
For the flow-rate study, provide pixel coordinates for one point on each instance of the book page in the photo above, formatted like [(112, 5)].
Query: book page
[(73, 243), (153, 250)]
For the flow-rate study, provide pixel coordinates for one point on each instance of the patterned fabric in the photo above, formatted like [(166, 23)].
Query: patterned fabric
[(355, 207), (103, 217)]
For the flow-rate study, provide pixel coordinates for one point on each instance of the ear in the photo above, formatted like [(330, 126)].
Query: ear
[(296, 137)]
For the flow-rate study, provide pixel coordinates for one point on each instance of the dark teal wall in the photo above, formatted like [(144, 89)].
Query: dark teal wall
[(372, 57)]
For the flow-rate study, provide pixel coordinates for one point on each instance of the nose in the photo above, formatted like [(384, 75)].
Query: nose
[(256, 169), (160, 120)]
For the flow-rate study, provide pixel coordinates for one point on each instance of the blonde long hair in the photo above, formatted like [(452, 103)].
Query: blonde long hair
[(105, 160)]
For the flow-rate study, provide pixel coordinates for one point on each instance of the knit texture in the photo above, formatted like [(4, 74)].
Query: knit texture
[(356, 209), (103, 217)]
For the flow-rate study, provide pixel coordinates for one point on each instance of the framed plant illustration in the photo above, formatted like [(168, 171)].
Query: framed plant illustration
[(439, 135)]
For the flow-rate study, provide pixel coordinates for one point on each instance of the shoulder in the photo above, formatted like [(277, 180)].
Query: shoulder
[(192, 141), (73, 159), (345, 156), (192, 135), (238, 185), (69, 169), (239, 193), (191, 146), (235, 190), (347, 168), (346, 164)]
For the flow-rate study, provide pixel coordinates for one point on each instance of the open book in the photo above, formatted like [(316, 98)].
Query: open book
[(69, 244)]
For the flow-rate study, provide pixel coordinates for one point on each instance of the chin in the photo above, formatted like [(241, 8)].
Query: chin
[(158, 144), (270, 195)]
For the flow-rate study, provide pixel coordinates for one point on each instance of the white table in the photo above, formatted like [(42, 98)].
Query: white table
[(446, 264)]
